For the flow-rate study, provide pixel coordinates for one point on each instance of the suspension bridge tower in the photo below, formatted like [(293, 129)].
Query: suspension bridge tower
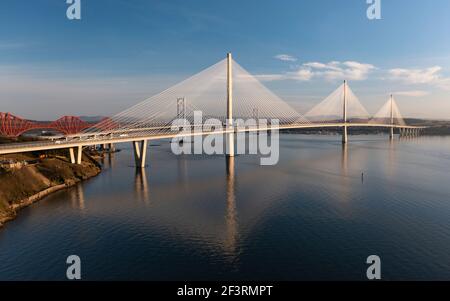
[(344, 117), (229, 121), (391, 132)]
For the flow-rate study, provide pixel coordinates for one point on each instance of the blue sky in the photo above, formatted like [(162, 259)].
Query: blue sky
[(123, 51)]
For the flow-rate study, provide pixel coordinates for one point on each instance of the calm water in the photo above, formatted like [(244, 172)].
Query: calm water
[(310, 217)]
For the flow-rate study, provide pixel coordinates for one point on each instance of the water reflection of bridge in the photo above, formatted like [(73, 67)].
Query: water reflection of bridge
[(223, 224)]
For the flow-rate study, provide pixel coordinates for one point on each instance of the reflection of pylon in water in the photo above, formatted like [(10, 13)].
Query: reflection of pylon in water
[(231, 238)]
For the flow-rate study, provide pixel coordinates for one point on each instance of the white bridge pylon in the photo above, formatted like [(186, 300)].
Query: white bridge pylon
[(224, 92), (389, 113), (340, 102), (205, 91)]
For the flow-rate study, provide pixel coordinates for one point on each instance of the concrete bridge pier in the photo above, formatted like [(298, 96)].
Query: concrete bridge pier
[(344, 135), (108, 146), (229, 121), (79, 154), (391, 129), (72, 155), (76, 159), (391, 133), (404, 132), (344, 116), (140, 153)]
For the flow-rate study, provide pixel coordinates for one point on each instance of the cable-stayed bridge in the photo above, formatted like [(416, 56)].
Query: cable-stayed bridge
[(227, 96)]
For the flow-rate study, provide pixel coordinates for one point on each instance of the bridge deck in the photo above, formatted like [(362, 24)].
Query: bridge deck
[(85, 140)]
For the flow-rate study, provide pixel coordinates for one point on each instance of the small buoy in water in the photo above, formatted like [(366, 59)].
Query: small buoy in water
[(362, 177)]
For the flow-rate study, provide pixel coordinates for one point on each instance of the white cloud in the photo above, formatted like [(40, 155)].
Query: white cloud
[(416, 76), (431, 76), (316, 65), (443, 83), (270, 77), (286, 58), (302, 74), (412, 93), (331, 71), (350, 70)]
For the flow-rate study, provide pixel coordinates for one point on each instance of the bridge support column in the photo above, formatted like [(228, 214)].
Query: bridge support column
[(229, 123), (344, 117), (391, 133), (344, 135), (230, 144), (391, 130), (140, 153), (72, 155), (79, 154)]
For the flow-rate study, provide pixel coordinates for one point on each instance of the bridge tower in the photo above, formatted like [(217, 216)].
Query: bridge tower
[(181, 113), (229, 121), (391, 133), (181, 107), (344, 117)]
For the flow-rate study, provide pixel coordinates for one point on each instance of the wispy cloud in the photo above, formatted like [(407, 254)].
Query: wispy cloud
[(330, 71), (286, 58), (335, 70), (416, 76), (412, 93), (431, 76)]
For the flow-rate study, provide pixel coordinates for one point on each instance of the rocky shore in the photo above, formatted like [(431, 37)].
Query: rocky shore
[(26, 184)]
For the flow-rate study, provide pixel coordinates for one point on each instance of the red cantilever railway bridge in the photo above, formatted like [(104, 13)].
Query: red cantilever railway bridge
[(13, 126)]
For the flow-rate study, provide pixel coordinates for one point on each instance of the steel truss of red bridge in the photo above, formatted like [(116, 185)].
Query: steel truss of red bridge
[(13, 126)]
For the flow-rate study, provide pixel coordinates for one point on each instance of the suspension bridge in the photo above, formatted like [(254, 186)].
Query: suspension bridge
[(225, 92)]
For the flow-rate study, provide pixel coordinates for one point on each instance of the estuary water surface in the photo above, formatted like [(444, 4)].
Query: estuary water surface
[(317, 215)]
